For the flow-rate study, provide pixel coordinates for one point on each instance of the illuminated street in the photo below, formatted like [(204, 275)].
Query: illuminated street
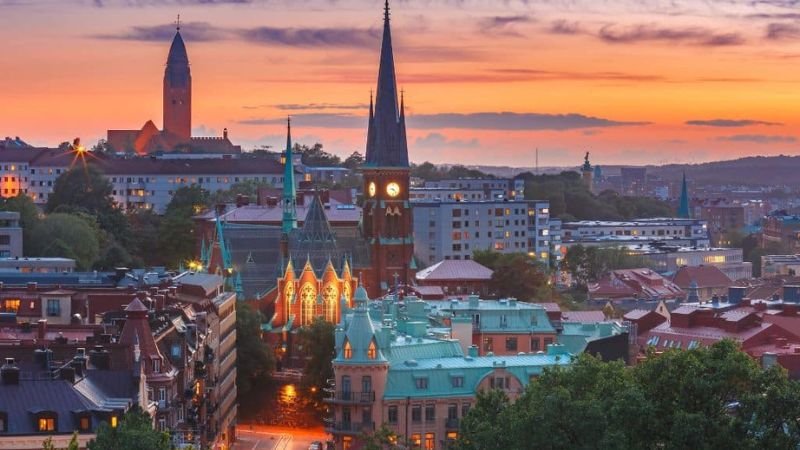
[(263, 437)]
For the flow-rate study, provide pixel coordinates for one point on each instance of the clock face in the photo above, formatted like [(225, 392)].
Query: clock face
[(371, 189), (393, 189)]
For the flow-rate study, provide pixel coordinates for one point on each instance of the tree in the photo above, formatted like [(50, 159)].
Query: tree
[(134, 432), (68, 236), (381, 439), (176, 229), (317, 157), (514, 275), (707, 398), (317, 342), (587, 264), (248, 188), (354, 161), (28, 216), (254, 360), (85, 189), (145, 225), (487, 424)]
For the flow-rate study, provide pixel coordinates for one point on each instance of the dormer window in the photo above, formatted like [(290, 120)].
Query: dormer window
[(46, 422), (348, 350), (372, 350), (85, 423), (156, 365)]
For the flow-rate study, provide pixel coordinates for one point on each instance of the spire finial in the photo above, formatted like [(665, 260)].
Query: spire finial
[(386, 11), (178, 23)]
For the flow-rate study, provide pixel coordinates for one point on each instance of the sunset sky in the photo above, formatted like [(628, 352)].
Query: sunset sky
[(486, 81)]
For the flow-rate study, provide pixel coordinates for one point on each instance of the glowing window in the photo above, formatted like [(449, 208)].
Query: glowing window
[(11, 305), (114, 421), (47, 424), (372, 351), (348, 350)]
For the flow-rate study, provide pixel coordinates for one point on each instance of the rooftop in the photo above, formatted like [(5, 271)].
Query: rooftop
[(451, 269)]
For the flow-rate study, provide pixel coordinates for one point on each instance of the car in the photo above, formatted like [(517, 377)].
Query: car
[(316, 445)]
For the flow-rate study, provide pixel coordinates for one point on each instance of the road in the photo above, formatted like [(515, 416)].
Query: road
[(262, 437)]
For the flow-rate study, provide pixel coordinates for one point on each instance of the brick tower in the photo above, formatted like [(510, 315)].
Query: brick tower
[(178, 91)]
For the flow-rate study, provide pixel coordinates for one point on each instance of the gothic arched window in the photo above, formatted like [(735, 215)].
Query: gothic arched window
[(330, 297), (307, 296)]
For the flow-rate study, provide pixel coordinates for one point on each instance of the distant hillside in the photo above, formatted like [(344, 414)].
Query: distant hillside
[(753, 170)]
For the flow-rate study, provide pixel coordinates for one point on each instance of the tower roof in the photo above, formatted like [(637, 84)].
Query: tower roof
[(684, 210), (177, 51), (289, 192), (386, 140), (316, 227)]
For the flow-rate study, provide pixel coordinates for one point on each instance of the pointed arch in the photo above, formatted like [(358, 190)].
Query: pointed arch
[(372, 349), (347, 349), (308, 297)]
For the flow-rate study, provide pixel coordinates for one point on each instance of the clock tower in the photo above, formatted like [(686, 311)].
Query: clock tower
[(387, 223)]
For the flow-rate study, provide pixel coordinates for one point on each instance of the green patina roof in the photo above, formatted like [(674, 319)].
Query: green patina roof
[(499, 316), (576, 335)]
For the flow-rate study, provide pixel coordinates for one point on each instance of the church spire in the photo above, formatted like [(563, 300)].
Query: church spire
[(289, 193), (386, 144), (683, 208), (178, 89)]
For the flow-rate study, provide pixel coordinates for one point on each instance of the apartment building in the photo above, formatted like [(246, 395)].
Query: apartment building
[(451, 229), (673, 231), (471, 189)]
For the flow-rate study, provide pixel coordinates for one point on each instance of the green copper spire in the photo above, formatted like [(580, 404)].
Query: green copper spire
[(289, 192), (683, 207)]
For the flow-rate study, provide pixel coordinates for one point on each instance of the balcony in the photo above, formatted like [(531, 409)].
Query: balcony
[(452, 423), (350, 427), (351, 397)]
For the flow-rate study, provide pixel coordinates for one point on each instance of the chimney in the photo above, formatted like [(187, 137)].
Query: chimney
[(9, 372), (473, 351), (67, 373), (160, 301), (224, 133), (42, 329), (100, 358)]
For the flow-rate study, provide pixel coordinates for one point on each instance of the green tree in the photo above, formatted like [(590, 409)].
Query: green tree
[(134, 432), (315, 156), (707, 398), (255, 361), (145, 225), (515, 275), (248, 188), (354, 161), (28, 216), (68, 236), (176, 230), (487, 424), (316, 341), (381, 439), (587, 264)]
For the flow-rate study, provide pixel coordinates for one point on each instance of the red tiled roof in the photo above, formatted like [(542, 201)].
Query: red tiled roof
[(583, 316), (636, 314), (550, 306), (451, 269), (704, 276)]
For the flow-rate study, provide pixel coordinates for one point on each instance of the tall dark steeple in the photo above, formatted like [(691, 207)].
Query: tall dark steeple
[(289, 192), (386, 141), (178, 89), (684, 210)]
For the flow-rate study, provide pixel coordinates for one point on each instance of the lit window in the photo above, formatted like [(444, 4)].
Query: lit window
[(372, 350), (11, 305), (348, 350), (47, 424), (85, 423), (114, 421)]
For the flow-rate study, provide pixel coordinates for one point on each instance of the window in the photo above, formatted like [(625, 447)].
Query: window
[(85, 423), (511, 344), (416, 440), (548, 341), (457, 381), (372, 350), (157, 366), (430, 441), (452, 411), (114, 421), (392, 414), (488, 344), (416, 413), (535, 345), (465, 409), (53, 307), (162, 394), (421, 383), (11, 305), (430, 412), (348, 350), (46, 423), (162, 424)]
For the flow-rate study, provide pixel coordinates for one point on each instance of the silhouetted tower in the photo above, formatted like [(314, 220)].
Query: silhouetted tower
[(178, 90), (588, 173), (684, 211)]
